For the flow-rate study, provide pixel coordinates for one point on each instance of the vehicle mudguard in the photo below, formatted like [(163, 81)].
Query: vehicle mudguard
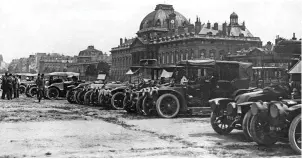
[(219, 103), (58, 86), (179, 94), (260, 109), (119, 89)]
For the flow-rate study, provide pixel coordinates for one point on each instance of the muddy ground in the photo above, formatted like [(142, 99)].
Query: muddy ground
[(55, 128)]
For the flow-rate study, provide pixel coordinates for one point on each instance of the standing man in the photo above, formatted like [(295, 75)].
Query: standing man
[(9, 87), (40, 84), (14, 86), (4, 85), (17, 81)]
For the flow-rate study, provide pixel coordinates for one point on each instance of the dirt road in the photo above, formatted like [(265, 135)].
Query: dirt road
[(59, 129)]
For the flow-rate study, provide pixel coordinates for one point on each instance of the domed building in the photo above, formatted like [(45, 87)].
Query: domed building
[(166, 36)]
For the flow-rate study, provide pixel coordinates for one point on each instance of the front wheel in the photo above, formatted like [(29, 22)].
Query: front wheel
[(22, 89), (167, 106), (80, 97), (246, 126), (117, 100), (220, 124), (128, 105), (139, 104), (148, 106), (70, 96), (294, 134), (53, 93), (87, 95), (33, 91), (261, 133)]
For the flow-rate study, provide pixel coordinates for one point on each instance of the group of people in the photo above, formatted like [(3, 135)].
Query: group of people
[(10, 86)]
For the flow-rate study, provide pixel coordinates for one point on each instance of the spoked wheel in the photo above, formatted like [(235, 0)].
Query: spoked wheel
[(22, 89), (53, 93), (75, 96), (101, 99), (70, 96), (33, 92), (148, 106), (128, 105), (87, 97), (94, 98), (294, 134), (167, 106), (80, 97), (220, 123), (261, 133), (139, 104), (246, 126), (117, 100)]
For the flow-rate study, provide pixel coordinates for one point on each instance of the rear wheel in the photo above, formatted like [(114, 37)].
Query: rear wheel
[(246, 126), (167, 106), (220, 123), (148, 106), (294, 134), (117, 100), (22, 89), (261, 133), (53, 93), (33, 92)]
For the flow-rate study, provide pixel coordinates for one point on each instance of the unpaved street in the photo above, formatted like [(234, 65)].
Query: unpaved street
[(59, 129)]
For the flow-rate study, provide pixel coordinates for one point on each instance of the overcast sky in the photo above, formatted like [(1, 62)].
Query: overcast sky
[(69, 26)]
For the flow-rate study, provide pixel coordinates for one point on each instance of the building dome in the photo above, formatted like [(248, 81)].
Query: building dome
[(233, 15), (158, 18)]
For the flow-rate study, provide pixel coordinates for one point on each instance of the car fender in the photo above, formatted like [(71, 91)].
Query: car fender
[(59, 86), (219, 103)]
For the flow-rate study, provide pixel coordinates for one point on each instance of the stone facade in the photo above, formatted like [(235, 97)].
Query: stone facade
[(168, 37), (87, 57), (54, 63)]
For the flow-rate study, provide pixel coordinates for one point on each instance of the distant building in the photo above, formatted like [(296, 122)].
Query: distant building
[(54, 62), (87, 57), (168, 37)]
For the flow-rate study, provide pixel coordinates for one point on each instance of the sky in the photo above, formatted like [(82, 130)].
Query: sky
[(69, 26)]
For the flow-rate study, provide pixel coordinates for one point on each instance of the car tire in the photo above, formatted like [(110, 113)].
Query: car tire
[(162, 102), (87, 95), (70, 96), (80, 97), (246, 126), (117, 100), (221, 130), (139, 104), (22, 89), (294, 131), (53, 93), (259, 134), (33, 91), (94, 99), (148, 106)]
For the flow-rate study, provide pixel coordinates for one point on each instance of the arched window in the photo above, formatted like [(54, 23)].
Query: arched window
[(172, 57), (176, 56), (167, 55), (163, 59)]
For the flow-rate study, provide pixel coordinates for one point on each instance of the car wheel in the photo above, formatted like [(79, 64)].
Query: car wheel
[(294, 134), (87, 95), (246, 126), (167, 106), (33, 92), (22, 89), (148, 106), (94, 98), (117, 100), (53, 93), (80, 97), (70, 96), (220, 124), (127, 104), (261, 133), (139, 104)]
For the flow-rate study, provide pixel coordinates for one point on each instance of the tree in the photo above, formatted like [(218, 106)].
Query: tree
[(32, 71), (103, 67), (91, 70)]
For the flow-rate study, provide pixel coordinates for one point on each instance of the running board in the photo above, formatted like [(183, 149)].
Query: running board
[(200, 110)]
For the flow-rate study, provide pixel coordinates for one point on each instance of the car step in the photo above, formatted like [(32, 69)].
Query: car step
[(199, 110)]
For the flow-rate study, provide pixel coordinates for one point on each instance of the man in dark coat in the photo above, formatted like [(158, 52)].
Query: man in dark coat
[(9, 92), (41, 85), (4, 85)]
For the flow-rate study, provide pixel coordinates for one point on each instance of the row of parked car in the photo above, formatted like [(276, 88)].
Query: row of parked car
[(265, 115)]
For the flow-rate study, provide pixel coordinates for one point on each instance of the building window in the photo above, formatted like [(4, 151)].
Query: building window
[(172, 59), (167, 58), (176, 57), (163, 55)]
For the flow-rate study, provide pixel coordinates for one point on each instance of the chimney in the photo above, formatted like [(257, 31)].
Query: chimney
[(294, 37), (243, 25), (224, 28), (125, 40), (216, 26), (197, 26), (190, 28), (121, 41), (209, 25)]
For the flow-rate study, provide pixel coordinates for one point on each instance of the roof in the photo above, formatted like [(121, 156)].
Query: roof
[(89, 50), (234, 30), (296, 68), (211, 62)]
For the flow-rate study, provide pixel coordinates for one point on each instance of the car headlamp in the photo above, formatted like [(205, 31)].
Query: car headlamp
[(255, 108), (231, 109), (274, 110)]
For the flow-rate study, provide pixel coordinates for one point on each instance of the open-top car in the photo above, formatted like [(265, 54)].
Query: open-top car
[(197, 81), (235, 113)]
